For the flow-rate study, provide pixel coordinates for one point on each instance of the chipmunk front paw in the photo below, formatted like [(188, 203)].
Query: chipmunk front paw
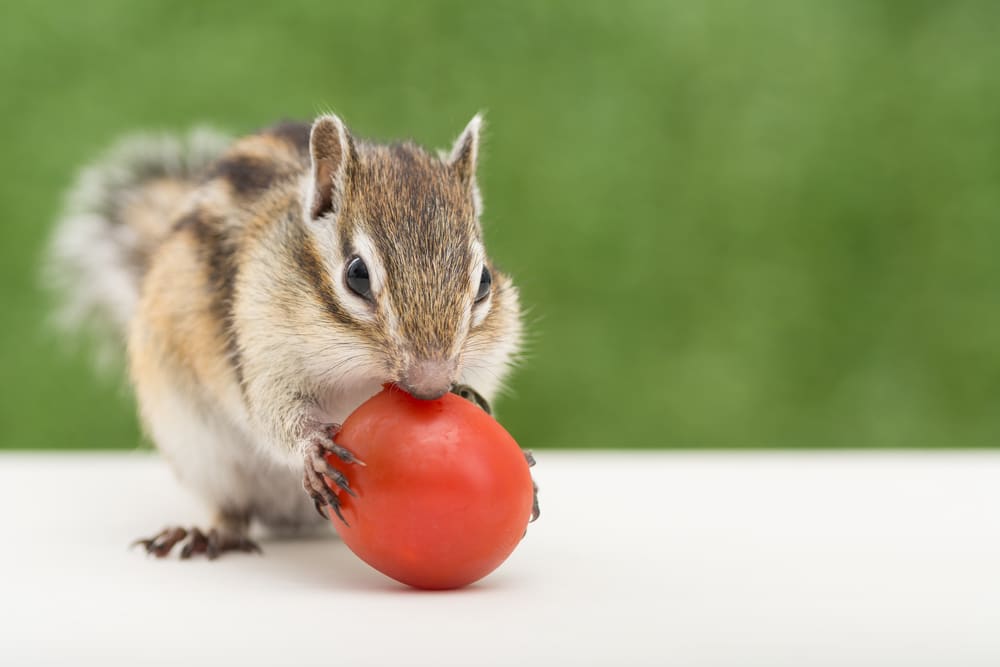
[(535, 512), (471, 395), (318, 469)]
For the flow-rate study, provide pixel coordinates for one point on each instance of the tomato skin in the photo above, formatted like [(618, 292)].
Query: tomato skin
[(445, 495)]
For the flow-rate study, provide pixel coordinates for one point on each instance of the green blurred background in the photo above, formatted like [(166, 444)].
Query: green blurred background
[(736, 224)]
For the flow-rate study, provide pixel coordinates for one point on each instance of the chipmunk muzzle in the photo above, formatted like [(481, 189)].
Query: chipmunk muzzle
[(428, 379)]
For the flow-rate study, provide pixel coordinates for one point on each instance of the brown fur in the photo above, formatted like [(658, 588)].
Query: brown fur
[(178, 332), (251, 169), (417, 208), (420, 217), (245, 317)]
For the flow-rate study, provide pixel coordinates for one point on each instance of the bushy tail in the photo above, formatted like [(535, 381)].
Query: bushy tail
[(119, 209)]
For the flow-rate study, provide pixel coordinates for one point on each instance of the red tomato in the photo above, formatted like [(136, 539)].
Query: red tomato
[(446, 493)]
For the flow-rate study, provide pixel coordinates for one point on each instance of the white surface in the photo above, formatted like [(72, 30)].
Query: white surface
[(639, 559)]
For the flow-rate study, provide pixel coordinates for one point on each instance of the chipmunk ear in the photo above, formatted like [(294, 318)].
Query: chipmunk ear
[(331, 150), (465, 152), (464, 156)]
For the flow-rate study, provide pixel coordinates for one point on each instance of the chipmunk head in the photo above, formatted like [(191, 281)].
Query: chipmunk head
[(400, 233)]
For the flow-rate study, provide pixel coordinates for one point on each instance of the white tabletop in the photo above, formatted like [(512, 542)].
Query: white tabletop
[(639, 559)]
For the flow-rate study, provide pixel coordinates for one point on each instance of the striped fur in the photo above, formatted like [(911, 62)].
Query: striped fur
[(115, 216), (244, 338)]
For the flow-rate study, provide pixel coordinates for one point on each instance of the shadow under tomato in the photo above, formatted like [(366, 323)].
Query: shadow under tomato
[(325, 563)]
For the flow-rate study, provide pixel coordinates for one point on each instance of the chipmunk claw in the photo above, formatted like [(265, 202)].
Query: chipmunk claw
[(535, 512), (342, 453), (321, 494), (320, 507), (196, 542), (318, 470), (163, 542)]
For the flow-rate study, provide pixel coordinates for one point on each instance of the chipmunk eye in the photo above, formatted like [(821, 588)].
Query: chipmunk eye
[(484, 285), (356, 277)]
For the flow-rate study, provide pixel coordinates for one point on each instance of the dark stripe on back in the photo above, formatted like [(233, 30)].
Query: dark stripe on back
[(248, 175), (218, 253), (297, 134)]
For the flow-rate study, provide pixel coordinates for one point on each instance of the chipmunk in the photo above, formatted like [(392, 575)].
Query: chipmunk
[(266, 287)]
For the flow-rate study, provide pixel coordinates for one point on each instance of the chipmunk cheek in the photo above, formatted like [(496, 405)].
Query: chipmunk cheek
[(480, 311)]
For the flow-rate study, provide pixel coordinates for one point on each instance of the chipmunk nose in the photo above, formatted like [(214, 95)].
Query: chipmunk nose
[(428, 379)]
